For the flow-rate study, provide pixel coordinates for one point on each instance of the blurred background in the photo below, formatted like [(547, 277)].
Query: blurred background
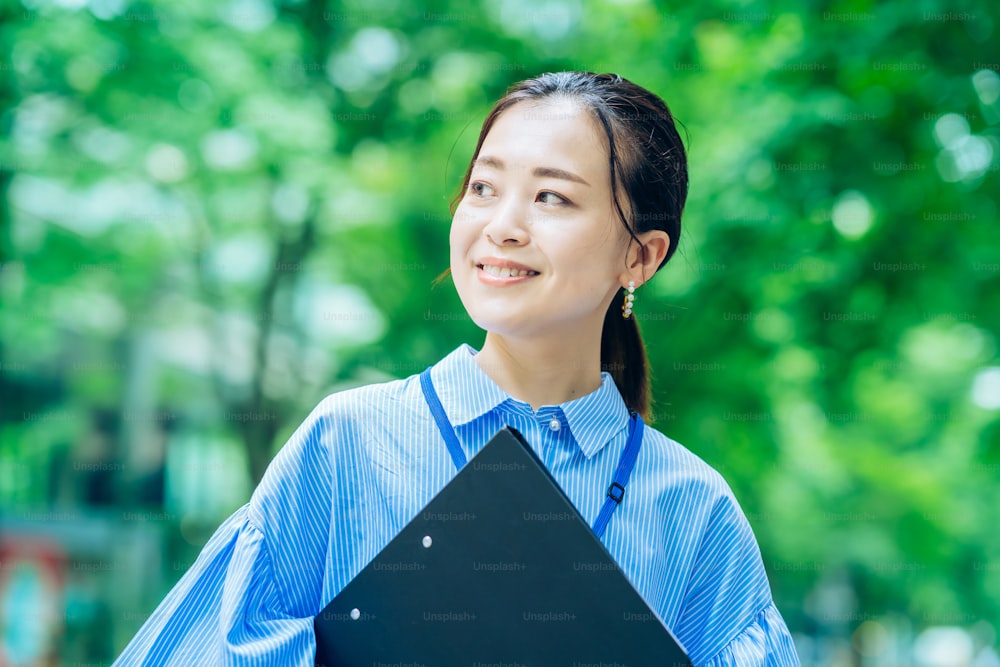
[(213, 214)]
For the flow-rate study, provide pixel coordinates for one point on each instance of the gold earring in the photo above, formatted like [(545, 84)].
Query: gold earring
[(629, 300)]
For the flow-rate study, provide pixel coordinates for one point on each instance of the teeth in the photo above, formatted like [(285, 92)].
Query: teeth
[(505, 271)]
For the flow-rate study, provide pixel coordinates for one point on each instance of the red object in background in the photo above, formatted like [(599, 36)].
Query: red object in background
[(32, 584)]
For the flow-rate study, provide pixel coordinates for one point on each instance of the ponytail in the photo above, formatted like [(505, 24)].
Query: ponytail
[(623, 354)]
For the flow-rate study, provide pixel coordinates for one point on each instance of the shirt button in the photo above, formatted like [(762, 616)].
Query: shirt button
[(554, 424)]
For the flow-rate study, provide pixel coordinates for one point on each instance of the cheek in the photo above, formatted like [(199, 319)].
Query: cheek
[(604, 248), (461, 234), (615, 245), (463, 226)]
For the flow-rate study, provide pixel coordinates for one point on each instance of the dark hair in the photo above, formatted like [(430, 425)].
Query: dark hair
[(647, 163)]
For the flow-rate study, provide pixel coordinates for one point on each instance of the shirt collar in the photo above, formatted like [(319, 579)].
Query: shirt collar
[(467, 393)]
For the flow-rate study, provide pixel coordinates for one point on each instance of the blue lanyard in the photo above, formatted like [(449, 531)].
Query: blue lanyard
[(616, 491)]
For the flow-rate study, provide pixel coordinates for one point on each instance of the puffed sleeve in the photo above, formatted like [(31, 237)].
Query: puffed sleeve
[(250, 597), (316, 518), (225, 610), (764, 642), (728, 617)]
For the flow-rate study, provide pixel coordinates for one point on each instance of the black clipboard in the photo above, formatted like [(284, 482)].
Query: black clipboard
[(498, 569)]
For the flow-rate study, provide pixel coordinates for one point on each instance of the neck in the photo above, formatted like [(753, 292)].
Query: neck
[(542, 372)]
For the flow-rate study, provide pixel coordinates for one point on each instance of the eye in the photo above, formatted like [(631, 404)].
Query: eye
[(480, 189), (551, 198)]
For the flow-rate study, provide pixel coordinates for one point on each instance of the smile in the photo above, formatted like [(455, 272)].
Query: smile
[(503, 276), (506, 271)]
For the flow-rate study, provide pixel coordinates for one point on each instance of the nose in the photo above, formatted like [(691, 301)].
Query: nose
[(507, 225)]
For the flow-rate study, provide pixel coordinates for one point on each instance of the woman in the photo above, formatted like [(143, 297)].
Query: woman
[(572, 201)]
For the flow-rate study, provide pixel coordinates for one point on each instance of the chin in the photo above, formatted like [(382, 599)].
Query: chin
[(507, 326), (494, 323)]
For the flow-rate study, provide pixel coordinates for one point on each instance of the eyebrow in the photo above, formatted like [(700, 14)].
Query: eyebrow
[(541, 172)]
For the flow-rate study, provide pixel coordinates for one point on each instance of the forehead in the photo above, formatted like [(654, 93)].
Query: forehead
[(552, 132)]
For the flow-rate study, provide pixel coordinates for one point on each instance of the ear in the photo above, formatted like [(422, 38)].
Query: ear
[(644, 258)]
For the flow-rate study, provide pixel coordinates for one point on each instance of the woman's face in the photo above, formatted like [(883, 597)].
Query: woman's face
[(536, 248)]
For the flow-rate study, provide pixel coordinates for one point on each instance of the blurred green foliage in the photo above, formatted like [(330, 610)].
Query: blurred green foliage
[(214, 214)]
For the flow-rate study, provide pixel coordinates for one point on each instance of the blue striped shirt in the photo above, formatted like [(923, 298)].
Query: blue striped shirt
[(367, 460)]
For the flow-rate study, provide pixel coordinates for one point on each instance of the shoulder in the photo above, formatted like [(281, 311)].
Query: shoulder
[(319, 482), (699, 501), (710, 509), (362, 402), (329, 452), (345, 415), (331, 440), (680, 467)]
